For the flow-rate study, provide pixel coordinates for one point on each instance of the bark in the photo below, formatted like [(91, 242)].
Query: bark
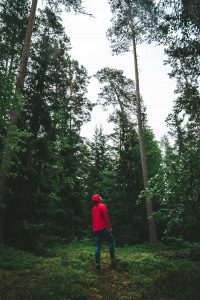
[(149, 206), (7, 155), (192, 10), (26, 49)]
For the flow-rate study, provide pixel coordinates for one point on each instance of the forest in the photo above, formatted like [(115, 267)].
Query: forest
[(49, 172)]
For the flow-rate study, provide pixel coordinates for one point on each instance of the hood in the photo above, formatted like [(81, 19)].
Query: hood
[(96, 198)]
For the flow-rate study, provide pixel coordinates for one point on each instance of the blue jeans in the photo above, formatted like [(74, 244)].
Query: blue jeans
[(105, 234)]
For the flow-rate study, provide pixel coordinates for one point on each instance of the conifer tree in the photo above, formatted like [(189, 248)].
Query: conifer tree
[(118, 92), (49, 187), (131, 22), (20, 80)]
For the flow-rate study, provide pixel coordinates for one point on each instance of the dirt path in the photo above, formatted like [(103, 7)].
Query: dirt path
[(113, 283)]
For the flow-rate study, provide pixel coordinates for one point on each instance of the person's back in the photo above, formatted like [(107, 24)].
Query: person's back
[(100, 219), (101, 228)]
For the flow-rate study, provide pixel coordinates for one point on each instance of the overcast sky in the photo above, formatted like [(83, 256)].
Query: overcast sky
[(91, 48)]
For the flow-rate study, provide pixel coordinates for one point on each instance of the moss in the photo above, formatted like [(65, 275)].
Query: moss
[(142, 272)]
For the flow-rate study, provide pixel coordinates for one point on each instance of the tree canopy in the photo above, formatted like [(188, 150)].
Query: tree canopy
[(52, 171)]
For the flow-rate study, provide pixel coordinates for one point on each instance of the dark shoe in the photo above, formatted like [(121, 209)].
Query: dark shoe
[(113, 263), (98, 266)]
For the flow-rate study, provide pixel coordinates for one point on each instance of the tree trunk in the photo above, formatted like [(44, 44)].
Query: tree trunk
[(26, 49), (7, 154), (149, 207), (192, 10)]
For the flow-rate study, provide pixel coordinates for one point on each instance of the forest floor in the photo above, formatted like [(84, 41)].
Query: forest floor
[(68, 273)]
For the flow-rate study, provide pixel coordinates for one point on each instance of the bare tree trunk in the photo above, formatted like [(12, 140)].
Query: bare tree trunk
[(24, 58), (149, 206), (7, 154)]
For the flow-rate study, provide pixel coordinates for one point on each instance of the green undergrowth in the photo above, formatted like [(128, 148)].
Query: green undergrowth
[(142, 272)]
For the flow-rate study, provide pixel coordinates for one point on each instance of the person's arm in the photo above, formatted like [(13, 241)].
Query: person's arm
[(106, 216)]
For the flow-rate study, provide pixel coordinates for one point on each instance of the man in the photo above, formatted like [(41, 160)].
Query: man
[(102, 229)]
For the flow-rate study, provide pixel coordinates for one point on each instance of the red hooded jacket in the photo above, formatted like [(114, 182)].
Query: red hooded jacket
[(100, 218)]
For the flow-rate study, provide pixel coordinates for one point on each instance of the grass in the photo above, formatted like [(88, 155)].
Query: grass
[(68, 273)]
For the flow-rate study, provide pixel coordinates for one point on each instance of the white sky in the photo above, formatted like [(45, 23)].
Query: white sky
[(91, 48)]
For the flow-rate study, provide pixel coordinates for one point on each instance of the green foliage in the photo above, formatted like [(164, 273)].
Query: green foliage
[(130, 18), (180, 38), (122, 179), (99, 158), (45, 195), (142, 272), (13, 20), (68, 5), (15, 143), (42, 278), (15, 259), (53, 171), (176, 186), (6, 97), (153, 152)]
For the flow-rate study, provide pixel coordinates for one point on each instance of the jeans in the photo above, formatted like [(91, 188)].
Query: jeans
[(105, 234)]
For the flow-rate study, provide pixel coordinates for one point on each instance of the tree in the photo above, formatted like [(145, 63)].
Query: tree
[(13, 19), (98, 161), (131, 20), (47, 194), (7, 155), (176, 185), (180, 38), (118, 91), (187, 9), (122, 182)]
